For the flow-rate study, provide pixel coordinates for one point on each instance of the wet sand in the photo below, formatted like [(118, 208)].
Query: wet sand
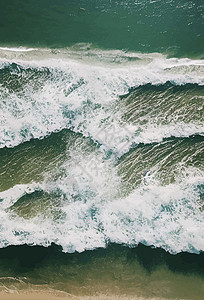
[(48, 296), (36, 295), (55, 295)]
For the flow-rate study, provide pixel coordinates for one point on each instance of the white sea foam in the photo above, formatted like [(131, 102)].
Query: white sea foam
[(80, 96), (19, 49), (162, 216), (94, 209)]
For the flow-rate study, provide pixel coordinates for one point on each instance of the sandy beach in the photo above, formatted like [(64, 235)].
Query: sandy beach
[(35, 294), (57, 295)]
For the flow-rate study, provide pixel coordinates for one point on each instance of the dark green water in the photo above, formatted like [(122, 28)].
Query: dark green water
[(172, 26)]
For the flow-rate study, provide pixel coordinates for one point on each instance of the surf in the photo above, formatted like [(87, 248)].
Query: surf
[(48, 95), (100, 148)]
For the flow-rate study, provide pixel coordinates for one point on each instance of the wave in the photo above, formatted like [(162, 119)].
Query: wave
[(152, 195), (127, 168), (81, 90), (83, 218)]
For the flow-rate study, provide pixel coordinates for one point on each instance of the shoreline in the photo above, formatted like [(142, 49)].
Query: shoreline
[(32, 294), (113, 273), (58, 295)]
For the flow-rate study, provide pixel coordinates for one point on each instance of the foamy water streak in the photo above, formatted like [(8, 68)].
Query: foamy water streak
[(44, 96), (19, 49)]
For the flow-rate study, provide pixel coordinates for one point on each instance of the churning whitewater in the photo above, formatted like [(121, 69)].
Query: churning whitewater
[(113, 146)]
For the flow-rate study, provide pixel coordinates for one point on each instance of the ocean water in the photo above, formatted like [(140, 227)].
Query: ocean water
[(102, 147)]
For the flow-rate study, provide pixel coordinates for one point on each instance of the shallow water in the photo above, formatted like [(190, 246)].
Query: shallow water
[(116, 271)]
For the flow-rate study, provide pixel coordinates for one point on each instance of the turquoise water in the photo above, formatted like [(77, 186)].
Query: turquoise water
[(172, 26), (102, 147)]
